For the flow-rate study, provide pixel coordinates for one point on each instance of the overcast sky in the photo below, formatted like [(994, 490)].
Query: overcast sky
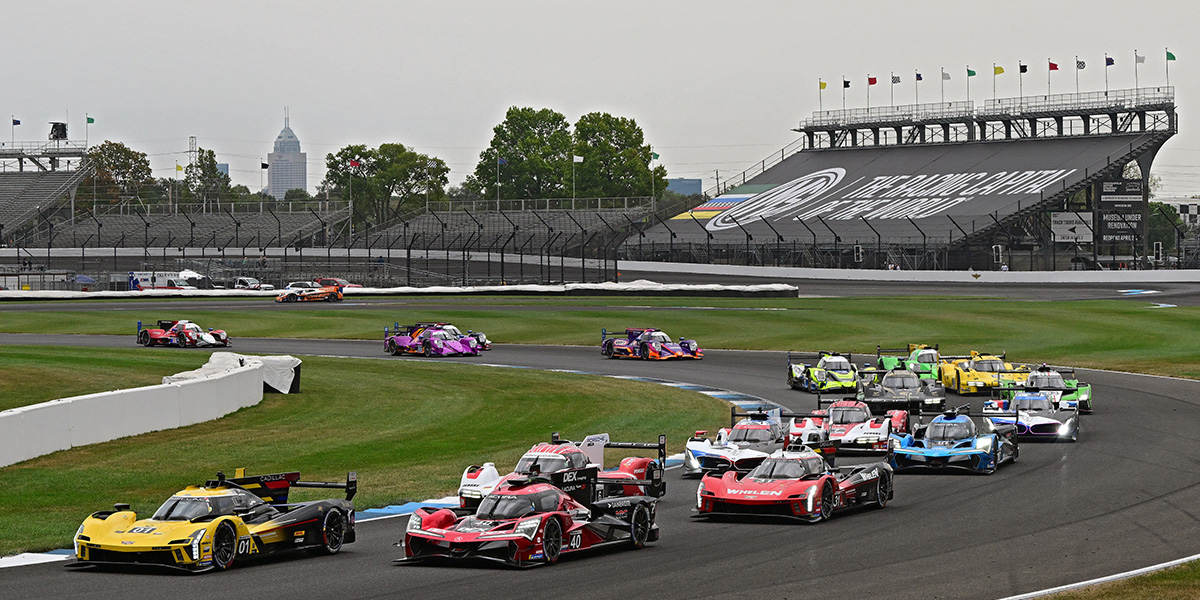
[(715, 85)]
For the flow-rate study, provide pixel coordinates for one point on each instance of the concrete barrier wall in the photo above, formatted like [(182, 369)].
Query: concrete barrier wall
[(31, 431), (1134, 277)]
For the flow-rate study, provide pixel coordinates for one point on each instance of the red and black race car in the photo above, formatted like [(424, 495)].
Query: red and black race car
[(795, 483), (647, 344), (534, 520), (181, 333)]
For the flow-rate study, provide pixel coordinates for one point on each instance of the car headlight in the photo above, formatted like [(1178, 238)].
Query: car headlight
[(1084, 396), (414, 524), (1065, 428), (471, 342), (195, 546), (78, 532), (983, 444), (699, 495), (893, 443), (932, 401), (528, 528)]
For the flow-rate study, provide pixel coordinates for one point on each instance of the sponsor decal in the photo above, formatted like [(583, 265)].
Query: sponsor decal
[(142, 529), (756, 492), (126, 543)]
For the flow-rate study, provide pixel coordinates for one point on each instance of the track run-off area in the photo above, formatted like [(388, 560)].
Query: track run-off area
[(1124, 497)]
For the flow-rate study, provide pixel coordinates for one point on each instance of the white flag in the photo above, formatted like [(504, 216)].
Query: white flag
[(1139, 58), (945, 76), (578, 158)]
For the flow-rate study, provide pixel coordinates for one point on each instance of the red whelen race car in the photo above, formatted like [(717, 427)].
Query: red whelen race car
[(647, 344), (533, 521), (795, 483), (850, 423), (560, 456), (181, 333)]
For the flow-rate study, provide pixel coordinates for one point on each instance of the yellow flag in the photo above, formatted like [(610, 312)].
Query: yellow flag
[(823, 84), (178, 168), (999, 70)]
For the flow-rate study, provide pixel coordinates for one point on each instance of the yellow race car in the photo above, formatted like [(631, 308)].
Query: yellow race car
[(207, 527), (978, 372)]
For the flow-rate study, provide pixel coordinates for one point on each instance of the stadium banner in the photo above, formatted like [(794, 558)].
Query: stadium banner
[(1121, 211), (1072, 227), (859, 194)]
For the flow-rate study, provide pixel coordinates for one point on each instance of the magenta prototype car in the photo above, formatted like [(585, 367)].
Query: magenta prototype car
[(428, 339)]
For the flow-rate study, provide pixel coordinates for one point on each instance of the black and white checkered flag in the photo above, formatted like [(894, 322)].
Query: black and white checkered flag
[(1079, 64)]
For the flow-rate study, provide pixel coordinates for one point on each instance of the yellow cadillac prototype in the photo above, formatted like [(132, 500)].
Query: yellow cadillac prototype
[(978, 372), (208, 527)]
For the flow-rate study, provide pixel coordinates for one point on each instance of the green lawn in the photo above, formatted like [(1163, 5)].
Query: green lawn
[(1113, 334), (1176, 583), (408, 428), (33, 374)]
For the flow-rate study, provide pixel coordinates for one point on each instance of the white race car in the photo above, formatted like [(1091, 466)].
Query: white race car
[(741, 447)]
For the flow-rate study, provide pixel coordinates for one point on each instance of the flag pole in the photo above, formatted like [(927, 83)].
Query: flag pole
[(868, 92), (943, 80), (1048, 71), (844, 90), (968, 83), (820, 96), (1167, 65), (1135, 74), (497, 180), (1076, 73), (916, 87), (1021, 81), (1105, 73), (993, 82), (86, 120), (892, 88)]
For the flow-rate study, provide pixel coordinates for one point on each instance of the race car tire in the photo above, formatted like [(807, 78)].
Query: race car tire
[(181, 340), (290, 298), (224, 546), (607, 351), (826, 505), (552, 541), (883, 489), (427, 350), (330, 298), (639, 526), (392, 348), (333, 532), (995, 461), (144, 338), (644, 351)]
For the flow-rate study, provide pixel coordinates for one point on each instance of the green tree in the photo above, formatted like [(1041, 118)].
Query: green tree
[(1162, 228), (616, 159), (296, 194), (120, 170), (203, 180), (380, 179), (529, 155)]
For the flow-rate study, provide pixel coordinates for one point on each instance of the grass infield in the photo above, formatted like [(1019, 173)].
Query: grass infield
[(1112, 334), (408, 428)]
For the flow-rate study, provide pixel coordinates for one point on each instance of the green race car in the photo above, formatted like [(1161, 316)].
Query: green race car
[(921, 359), (1061, 386), (822, 372)]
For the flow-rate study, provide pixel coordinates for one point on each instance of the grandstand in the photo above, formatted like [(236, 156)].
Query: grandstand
[(37, 177), (941, 185)]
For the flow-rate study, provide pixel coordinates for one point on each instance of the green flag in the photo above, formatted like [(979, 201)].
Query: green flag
[(1170, 56), (970, 73), (653, 156), (91, 120)]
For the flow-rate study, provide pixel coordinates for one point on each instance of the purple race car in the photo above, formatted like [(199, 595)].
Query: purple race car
[(429, 340), (646, 344)]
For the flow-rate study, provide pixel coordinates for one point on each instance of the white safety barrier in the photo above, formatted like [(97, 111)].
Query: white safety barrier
[(31, 431)]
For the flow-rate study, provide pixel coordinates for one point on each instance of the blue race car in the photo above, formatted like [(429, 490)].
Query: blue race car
[(957, 440)]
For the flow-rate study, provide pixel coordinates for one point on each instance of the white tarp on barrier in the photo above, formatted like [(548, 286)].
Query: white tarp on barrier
[(277, 371)]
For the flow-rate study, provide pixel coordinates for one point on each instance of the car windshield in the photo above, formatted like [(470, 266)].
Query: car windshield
[(452, 330), (948, 432), (657, 336), (835, 363), (495, 507), (780, 468), (441, 335), (987, 365), (184, 508), (901, 382), (1050, 380), (250, 281), (845, 416), (546, 463), (751, 435), (1034, 403), (928, 357)]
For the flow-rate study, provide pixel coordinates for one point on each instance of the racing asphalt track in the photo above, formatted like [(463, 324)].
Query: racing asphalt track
[(1126, 496)]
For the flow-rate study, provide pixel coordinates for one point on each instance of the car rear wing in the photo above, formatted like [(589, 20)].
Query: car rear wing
[(585, 485), (905, 352), (778, 414), (605, 333), (815, 356), (593, 446), (273, 487)]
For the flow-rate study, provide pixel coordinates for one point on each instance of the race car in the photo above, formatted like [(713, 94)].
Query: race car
[(848, 422), (533, 521), (1038, 416), (796, 483), (181, 333), (900, 388), (300, 291), (563, 455), (481, 340), (1061, 385), (428, 339), (647, 344), (921, 359), (750, 438), (209, 526), (822, 372), (957, 440), (978, 372)]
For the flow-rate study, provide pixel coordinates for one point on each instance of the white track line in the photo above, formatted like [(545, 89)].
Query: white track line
[(1106, 579)]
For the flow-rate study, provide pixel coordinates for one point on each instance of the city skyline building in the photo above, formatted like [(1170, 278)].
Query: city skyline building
[(287, 165)]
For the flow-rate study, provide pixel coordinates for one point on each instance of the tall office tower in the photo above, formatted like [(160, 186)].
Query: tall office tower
[(288, 167)]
